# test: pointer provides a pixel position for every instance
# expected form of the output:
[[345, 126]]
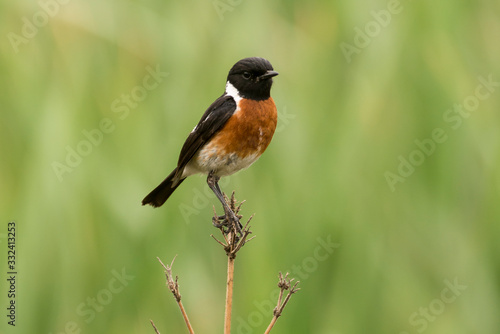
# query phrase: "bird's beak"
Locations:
[[268, 74]]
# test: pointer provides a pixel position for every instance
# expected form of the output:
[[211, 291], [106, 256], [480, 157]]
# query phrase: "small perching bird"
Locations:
[[232, 133]]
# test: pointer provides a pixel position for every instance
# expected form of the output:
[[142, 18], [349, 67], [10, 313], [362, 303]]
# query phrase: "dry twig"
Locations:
[[232, 244], [234, 237], [156, 329], [173, 286], [284, 283]]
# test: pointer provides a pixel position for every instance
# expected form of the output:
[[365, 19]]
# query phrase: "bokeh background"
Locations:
[[417, 254]]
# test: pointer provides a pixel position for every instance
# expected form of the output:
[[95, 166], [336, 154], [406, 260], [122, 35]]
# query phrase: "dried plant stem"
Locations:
[[233, 243], [234, 236], [173, 286], [156, 329], [186, 319], [284, 283], [229, 295], [271, 325]]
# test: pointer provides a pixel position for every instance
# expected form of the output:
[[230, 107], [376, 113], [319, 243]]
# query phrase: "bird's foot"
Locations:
[[227, 222]]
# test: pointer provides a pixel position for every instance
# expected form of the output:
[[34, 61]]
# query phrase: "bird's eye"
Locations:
[[247, 75]]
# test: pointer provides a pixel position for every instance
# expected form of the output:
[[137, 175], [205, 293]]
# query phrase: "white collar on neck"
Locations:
[[233, 92]]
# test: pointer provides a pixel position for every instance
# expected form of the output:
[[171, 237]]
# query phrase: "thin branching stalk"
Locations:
[[156, 329], [173, 286], [284, 283], [234, 237]]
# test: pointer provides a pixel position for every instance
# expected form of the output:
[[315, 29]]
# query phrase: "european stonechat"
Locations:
[[232, 133]]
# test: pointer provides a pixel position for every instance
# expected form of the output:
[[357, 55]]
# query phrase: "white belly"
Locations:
[[223, 164]]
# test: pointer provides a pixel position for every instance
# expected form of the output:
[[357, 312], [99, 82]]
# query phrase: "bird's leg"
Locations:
[[213, 183]]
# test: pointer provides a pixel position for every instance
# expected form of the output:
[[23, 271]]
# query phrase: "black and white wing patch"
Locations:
[[210, 123]]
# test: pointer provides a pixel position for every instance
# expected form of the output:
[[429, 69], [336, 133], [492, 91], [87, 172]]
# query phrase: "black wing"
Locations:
[[211, 122]]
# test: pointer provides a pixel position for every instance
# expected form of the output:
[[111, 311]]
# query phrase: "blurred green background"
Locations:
[[388, 229]]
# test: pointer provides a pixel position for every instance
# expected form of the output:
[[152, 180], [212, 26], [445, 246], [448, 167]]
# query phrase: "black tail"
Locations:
[[160, 194]]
